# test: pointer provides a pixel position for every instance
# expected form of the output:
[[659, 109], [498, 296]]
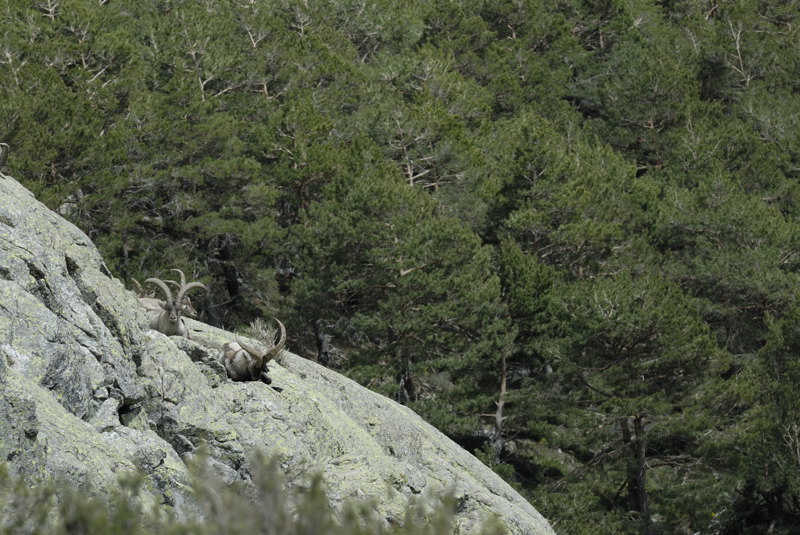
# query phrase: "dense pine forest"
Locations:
[[566, 232]]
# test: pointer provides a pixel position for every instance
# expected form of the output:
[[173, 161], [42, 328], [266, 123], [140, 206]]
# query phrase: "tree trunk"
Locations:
[[124, 271], [323, 353], [406, 389], [637, 464], [499, 418]]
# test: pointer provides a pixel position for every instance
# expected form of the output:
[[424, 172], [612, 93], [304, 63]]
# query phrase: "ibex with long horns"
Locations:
[[244, 362], [165, 316]]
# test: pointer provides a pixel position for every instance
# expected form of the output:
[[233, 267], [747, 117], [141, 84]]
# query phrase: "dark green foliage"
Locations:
[[563, 231], [417, 290]]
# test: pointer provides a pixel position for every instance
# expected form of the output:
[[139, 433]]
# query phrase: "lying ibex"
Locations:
[[244, 362], [165, 316]]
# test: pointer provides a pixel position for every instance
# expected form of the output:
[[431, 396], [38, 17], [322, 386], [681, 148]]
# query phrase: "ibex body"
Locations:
[[244, 362]]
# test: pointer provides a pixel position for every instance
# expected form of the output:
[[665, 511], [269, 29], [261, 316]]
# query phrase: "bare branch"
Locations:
[[49, 8]]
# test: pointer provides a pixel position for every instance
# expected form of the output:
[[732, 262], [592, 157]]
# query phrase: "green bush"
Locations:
[[267, 507]]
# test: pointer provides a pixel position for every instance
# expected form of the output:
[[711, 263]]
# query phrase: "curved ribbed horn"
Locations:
[[191, 286], [137, 287], [279, 346], [183, 277], [161, 284], [247, 347]]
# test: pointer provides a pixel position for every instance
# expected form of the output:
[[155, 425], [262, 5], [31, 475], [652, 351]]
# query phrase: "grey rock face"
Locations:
[[87, 392]]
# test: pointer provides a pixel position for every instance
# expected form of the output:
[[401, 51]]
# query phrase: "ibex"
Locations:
[[165, 316], [244, 362]]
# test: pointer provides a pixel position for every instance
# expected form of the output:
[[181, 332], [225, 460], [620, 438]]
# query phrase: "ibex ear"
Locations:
[[162, 305]]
